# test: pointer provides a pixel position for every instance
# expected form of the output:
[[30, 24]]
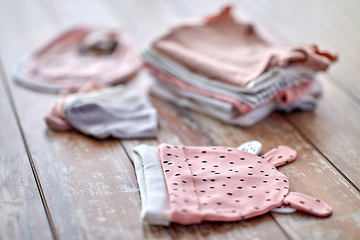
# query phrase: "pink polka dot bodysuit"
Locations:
[[228, 184]]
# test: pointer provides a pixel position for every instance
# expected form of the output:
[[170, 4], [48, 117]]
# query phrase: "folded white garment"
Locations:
[[154, 196], [225, 111], [256, 93], [117, 111]]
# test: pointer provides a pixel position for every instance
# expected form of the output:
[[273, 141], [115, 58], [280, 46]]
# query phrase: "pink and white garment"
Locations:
[[283, 97], [78, 55], [216, 184], [225, 111], [102, 112], [257, 93], [241, 106]]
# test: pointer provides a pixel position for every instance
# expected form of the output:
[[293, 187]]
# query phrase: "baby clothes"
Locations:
[[215, 184], [155, 208], [54, 116], [232, 52], [225, 112], [220, 67], [116, 112], [78, 55], [283, 95], [258, 92]]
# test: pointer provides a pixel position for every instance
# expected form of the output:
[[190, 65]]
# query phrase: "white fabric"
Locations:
[[253, 147], [118, 111], [155, 207]]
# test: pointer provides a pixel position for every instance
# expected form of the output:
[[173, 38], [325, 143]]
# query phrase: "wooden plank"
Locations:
[[337, 111], [316, 132], [171, 129], [200, 123], [332, 24], [334, 129], [22, 212], [310, 174], [89, 185]]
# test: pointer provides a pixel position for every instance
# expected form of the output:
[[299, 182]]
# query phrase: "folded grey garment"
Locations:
[[212, 107], [117, 112], [257, 92]]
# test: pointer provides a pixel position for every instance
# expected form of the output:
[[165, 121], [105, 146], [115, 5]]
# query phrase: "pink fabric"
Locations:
[[241, 106], [308, 204], [280, 155], [79, 55], [224, 184], [284, 97], [230, 51], [54, 116]]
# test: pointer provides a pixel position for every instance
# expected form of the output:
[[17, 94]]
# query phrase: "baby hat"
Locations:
[[228, 184]]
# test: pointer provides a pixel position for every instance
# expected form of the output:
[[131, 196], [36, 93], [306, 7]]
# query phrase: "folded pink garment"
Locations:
[[230, 51], [284, 97], [228, 184], [241, 106], [78, 55]]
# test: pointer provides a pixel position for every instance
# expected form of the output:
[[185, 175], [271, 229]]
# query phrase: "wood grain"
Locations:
[[275, 131], [310, 174], [173, 127], [22, 212], [89, 185], [332, 24], [333, 127]]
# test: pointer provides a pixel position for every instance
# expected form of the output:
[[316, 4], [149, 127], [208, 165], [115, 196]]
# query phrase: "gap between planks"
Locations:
[[3, 76]]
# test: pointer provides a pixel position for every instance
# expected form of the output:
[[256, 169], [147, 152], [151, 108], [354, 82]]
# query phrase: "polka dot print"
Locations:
[[308, 204], [223, 184], [183, 199]]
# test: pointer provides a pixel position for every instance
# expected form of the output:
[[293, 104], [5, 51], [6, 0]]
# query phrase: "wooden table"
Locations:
[[56, 185]]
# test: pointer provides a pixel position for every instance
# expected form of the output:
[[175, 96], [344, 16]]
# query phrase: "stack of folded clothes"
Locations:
[[222, 68]]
